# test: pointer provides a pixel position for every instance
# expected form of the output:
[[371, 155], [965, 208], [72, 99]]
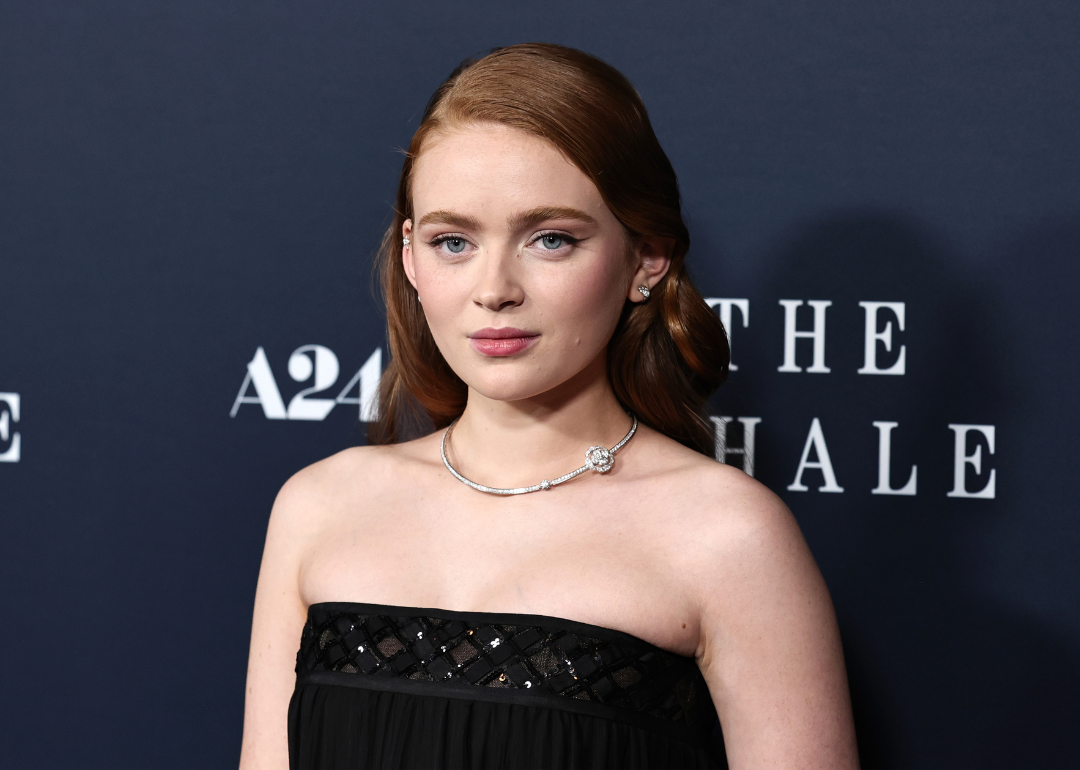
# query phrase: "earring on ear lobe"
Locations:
[[405, 241], [644, 291]]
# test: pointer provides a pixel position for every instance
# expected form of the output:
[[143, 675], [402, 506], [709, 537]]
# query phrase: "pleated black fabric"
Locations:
[[342, 727], [399, 687]]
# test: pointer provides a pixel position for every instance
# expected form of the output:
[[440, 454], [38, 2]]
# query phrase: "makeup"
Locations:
[[505, 341]]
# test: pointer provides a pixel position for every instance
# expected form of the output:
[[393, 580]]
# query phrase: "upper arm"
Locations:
[[770, 649], [277, 623]]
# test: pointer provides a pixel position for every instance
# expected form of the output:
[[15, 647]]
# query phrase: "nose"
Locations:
[[498, 286]]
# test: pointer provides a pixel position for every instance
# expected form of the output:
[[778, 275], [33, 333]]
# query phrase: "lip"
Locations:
[[504, 341]]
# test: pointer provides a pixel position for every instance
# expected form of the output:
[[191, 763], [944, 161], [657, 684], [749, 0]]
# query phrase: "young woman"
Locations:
[[559, 575]]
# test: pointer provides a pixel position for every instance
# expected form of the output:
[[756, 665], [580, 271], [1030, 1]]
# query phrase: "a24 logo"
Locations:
[[318, 364]]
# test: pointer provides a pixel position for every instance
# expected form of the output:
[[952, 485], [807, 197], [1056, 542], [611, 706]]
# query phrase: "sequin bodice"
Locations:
[[542, 659]]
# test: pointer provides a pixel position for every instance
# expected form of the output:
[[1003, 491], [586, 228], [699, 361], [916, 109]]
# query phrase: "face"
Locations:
[[521, 268]]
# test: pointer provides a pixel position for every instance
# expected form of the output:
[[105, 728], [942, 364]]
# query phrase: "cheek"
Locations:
[[432, 277], [443, 295], [590, 300]]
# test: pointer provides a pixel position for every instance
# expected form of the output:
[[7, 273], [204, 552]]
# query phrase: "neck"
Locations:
[[519, 443]]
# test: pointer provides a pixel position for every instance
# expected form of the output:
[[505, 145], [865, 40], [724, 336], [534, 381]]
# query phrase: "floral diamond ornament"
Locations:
[[599, 459]]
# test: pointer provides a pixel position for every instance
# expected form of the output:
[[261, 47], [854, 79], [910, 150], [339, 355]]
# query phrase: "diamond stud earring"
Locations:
[[644, 291], [405, 241]]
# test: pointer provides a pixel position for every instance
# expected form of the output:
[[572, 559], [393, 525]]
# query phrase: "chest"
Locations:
[[585, 556]]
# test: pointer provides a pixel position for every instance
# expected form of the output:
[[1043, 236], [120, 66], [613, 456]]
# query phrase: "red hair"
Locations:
[[668, 354]]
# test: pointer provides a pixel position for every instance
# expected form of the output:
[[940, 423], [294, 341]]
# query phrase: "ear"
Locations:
[[653, 258], [407, 253]]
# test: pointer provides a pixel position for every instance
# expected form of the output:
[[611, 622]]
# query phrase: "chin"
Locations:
[[507, 385]]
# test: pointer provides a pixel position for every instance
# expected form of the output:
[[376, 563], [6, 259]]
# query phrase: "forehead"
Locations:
[[491, 169]]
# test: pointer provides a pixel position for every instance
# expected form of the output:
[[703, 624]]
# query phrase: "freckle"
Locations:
[[684, 625]]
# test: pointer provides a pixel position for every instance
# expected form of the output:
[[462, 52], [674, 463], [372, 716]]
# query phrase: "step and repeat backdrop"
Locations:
[[884, 201]]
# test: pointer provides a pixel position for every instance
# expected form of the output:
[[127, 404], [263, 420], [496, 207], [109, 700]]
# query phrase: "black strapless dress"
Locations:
[[400, 687]]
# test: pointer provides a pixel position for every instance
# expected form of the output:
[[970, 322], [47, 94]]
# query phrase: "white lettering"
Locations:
[[873, 335], [747, 449], [326, 370], [725, 306], [368, 377], [816, 439], [10, 415], [817, 334], [961, 460], [320, 365], [266, 389], [884, 460]]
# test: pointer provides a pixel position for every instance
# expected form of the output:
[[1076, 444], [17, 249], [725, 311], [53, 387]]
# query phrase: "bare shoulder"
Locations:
[[736, 543], [303, 514], [317, 492], [738, 514], [744, 544], [346, 492], [329, 475], [721, 509], [768, 643]]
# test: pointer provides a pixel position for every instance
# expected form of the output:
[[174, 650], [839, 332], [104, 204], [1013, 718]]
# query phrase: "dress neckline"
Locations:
[[497, 618]]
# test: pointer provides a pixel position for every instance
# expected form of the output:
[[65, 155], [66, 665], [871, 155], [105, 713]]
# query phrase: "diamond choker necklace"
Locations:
[[598, 458]]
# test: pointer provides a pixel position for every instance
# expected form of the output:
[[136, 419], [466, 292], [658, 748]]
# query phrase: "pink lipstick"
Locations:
[[504, 341]]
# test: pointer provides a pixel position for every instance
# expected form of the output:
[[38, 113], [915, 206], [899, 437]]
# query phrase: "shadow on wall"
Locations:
[[943, 673]]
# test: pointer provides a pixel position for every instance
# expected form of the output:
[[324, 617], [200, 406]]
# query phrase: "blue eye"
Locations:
[[551, 241], [455, 245]]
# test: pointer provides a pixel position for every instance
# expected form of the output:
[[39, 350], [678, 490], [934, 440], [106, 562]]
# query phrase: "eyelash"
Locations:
[[440, 239], [570, 240]]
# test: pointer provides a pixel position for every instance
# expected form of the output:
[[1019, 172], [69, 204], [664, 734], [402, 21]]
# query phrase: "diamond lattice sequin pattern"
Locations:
[[626, 673]]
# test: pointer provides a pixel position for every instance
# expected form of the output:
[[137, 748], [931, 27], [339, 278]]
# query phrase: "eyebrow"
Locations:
[[544, 213], [443, 217], [516, 222]]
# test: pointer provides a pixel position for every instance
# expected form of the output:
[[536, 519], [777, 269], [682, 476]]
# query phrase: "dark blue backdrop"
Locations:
[[182, 184]]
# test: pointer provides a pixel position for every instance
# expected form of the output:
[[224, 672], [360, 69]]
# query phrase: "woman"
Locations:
[[478, 597]]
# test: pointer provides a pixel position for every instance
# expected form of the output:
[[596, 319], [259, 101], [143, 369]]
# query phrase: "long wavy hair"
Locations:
[[668, 354]]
